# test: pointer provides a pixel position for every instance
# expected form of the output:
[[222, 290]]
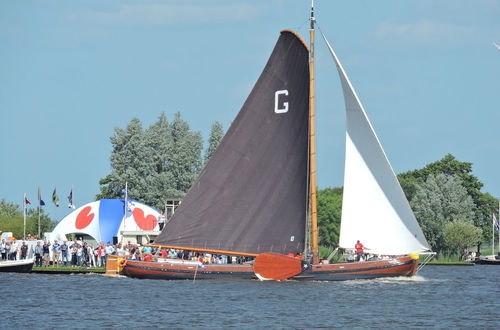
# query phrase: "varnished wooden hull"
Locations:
[[169, 271], [403, 266]]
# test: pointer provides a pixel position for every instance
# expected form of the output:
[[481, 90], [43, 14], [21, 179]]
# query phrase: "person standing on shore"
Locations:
[[79, 254], [90, 251], [38, 254], [56, 249], [46, 252], [109, 250], [64, 253], [101, 255]]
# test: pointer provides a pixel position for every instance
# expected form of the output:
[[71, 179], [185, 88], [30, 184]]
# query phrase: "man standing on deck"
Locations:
[[359, 250], [3, 249], [24, 250]]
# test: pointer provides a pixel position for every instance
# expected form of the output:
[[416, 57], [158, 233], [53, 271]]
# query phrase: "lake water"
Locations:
[[439, 297]]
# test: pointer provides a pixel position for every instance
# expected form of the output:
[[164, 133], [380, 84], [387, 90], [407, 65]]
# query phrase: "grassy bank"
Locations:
[[68, 270]]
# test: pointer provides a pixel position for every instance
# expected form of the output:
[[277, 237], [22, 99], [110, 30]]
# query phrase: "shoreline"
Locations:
[[68, 270]]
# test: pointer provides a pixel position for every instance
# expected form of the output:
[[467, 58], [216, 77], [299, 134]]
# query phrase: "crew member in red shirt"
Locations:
[[359, 250]]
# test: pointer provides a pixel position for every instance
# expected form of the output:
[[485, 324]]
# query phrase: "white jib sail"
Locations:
[[374, 207]]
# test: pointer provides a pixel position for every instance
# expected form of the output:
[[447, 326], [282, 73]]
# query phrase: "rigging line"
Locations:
[[302, 25]]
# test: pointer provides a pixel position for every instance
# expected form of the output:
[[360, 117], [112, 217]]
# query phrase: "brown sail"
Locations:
[[252, 195]]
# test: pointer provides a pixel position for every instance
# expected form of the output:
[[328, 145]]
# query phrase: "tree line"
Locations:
[[447, 201], [12, 220], [163, 160]]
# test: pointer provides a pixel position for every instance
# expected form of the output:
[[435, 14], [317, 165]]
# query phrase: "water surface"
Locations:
[[439, 297]]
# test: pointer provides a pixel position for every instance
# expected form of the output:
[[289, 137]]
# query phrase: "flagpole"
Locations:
[[125, 205], [493, 234], [24, 217], [39, 207]]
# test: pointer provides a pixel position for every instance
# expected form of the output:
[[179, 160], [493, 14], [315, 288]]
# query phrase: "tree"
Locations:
[[484, 203], [12, 220], [216, 135], [184, 156], [131, 162], [459, 235], [448, 165], [159, 162], [441, 199], [158, 140], [329, 210]]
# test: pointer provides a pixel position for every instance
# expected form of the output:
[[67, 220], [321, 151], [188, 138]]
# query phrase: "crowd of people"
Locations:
[[64, 253], [13, 250], [85, 254]]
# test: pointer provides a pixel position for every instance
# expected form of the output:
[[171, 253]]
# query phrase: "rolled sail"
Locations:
[[251, 196]]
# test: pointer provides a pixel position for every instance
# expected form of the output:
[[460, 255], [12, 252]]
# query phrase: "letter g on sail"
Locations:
[[277, 108]]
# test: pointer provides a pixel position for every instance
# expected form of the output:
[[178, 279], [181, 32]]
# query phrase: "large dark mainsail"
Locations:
[[252, 195]]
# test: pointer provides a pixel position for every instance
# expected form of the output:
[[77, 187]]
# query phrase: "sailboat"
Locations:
[[256, 197], [252, 195]]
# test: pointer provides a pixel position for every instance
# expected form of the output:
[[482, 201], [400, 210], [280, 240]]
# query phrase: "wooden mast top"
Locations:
[[312, 142]]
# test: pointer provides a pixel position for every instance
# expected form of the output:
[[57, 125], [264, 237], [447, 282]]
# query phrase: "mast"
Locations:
[[312, 141]]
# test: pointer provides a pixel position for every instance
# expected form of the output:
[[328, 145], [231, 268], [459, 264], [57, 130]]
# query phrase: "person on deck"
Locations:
[[13, 251], [359, 250], [24, 250], [3, 249], [161, 220]]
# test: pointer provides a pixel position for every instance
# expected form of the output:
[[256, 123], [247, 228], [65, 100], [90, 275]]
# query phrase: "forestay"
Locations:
[[374, 207], [252, 195]]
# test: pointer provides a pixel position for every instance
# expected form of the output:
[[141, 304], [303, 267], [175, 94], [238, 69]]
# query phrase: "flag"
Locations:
[[55, 198], [26, 201], [496, 223], [70, 199], [40, 200]]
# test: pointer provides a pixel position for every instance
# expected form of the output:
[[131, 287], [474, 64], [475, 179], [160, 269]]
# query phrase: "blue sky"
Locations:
[[72, 71]]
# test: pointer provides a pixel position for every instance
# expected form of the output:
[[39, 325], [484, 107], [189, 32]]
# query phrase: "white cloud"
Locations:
[[172, 13]]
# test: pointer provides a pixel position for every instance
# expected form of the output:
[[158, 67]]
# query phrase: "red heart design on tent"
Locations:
[[83, 219], [145, 223]]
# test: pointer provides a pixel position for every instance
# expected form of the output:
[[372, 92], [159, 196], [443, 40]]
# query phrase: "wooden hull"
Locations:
[[16, 266], [403, 266], [179, 271]]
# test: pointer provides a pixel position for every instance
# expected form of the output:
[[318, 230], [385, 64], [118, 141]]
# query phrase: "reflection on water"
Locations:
[[444, 297]]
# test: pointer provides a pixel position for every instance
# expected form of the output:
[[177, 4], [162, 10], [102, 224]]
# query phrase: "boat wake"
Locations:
[[384, 280]]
